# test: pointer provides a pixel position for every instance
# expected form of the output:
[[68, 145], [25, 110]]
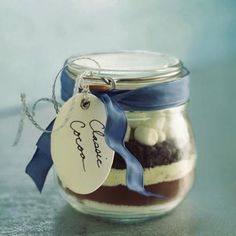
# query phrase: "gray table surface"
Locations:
[[210, 208]]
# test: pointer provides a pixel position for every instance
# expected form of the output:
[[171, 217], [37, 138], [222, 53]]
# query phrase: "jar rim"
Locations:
[[127, 68]]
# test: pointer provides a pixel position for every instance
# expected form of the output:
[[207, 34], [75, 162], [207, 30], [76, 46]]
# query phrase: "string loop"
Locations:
[[80, 87]]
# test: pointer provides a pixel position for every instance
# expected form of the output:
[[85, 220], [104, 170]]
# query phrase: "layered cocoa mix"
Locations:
[[166, 172]]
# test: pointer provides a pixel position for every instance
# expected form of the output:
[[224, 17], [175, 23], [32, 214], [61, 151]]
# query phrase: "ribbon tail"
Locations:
[[115, 130], [41, 162]]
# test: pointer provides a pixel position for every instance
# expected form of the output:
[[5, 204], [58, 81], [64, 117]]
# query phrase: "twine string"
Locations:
[[81, 86]]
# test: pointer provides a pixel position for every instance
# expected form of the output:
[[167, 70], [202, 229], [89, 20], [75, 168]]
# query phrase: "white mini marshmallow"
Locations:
[[127, 135], [146, 136], [161, 136]]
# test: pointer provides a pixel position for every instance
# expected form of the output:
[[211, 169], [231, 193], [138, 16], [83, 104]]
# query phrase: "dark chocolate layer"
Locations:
[[149, 156]]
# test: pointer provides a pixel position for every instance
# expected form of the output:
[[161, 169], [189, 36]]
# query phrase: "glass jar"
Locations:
[[161, 139]]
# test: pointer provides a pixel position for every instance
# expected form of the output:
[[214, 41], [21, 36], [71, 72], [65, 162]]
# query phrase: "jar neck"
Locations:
[[98, 82], [147, 98], [126, 70]]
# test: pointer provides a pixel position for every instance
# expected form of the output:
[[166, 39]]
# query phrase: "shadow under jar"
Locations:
[[161, 139]]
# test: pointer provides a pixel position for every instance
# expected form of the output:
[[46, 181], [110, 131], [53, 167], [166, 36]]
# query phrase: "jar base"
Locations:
[[120, 213]]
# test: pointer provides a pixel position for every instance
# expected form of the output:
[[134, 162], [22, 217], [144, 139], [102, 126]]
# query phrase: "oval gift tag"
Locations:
[[81, 157]]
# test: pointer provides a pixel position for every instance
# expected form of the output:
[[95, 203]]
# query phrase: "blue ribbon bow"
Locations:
[[148, 98]]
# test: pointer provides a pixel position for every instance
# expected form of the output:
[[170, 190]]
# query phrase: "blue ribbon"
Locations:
[[154, 97], [41, 162]]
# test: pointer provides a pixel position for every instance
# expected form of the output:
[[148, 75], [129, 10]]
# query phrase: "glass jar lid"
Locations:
[[126, 69]]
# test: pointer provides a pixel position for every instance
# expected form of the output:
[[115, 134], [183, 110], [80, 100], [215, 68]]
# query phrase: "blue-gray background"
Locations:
[[35, 39], [37, 36]]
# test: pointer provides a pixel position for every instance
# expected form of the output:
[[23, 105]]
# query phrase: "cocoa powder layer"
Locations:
[[121, 195]]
